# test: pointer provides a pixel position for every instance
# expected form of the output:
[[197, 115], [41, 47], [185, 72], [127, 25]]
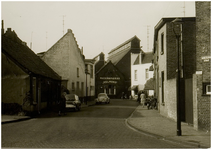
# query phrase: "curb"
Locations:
[[15, 120], [196, 145]]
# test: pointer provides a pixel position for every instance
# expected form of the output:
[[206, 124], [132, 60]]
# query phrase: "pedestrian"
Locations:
[[122, 95], [143, 98], [139, 98], [62, 104]]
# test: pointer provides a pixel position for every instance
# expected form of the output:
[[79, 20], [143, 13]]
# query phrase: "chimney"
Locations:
[[102, 57], [2, 27], [69, 30], [82, 50]]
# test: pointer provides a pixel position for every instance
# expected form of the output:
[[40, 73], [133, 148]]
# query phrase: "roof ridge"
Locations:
[[123, 43]]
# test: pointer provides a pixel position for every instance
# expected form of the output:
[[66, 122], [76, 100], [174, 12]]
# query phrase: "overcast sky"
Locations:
[[98, 26]]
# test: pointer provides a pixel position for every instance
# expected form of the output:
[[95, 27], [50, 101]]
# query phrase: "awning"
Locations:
[[134, 87], [150, 84]]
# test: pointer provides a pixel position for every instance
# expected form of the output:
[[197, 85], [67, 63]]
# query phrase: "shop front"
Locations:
[[109, 80]]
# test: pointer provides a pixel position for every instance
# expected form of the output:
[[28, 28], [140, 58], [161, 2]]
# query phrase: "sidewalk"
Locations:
[[152, 123], [16, 118]]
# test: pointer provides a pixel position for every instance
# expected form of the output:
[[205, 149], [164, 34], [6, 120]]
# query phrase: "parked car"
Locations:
[[73, 102], [102, 98]]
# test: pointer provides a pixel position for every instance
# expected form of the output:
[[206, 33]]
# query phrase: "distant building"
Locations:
[[110, 80], [140, 72], [28, 84], [165, 66], [202, 76], [99, 61], [120, 57], [67, 59], [90, 78]]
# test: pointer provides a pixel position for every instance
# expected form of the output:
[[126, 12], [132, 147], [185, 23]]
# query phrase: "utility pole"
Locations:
[[184, 9], [46, 40], [148, 38]]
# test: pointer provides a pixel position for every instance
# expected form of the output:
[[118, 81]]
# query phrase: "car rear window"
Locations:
[[102, 94]]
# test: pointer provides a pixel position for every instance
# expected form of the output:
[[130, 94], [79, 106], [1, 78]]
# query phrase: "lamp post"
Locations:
[[176, 24], [86, 90]]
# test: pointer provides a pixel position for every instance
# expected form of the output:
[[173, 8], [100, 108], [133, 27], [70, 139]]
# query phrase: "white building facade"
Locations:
[[140, 73]]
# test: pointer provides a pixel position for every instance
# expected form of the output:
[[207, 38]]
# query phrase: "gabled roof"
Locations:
[[117, 57], [24, 57], [147, 58], [124, 43]]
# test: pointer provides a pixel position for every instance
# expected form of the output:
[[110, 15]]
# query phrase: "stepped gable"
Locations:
[[24, 57], [68, 31]]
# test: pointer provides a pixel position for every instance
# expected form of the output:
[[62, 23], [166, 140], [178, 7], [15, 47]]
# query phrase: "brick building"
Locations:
[[165, 66], [202, 76], [110, 80]]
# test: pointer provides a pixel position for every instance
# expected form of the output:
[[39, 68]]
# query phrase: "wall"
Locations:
[[110, 70], [15, 82], [202, 103], [141, 74], [64, 57]]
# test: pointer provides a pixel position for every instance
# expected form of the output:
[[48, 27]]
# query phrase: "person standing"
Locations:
[[143, 98]]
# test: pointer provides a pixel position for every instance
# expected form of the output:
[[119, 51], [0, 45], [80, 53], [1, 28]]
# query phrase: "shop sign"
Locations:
[[109, 82], [110, 78]]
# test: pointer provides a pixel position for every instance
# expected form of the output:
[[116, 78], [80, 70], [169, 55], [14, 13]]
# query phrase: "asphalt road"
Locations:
[[99, 126]]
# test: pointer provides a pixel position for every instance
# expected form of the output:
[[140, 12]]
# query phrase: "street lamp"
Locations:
[[176, 24], [86, 94]]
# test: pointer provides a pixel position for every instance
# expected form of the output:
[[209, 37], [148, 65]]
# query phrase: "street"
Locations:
[[98, 126]]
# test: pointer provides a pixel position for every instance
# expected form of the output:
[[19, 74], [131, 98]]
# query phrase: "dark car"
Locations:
[[73, 102]]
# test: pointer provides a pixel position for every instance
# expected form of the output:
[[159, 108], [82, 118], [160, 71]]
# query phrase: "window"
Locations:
[[82, 88], [73, 88], [136, 75], [206, 88], [162, 44], [77, 88], [147, 74], [77, 72], [162, 87], [91, 71]]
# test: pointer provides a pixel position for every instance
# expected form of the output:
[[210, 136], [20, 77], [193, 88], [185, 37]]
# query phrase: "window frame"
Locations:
[[162, 44], [135, 75], [205, 90]]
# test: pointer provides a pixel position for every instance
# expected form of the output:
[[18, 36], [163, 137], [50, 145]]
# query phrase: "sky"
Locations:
[[98, 26]]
